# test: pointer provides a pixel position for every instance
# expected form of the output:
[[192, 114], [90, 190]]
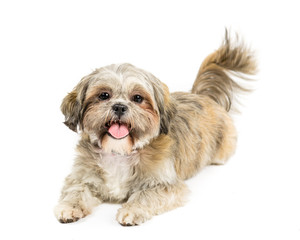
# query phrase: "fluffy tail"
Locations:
[[214, 79]]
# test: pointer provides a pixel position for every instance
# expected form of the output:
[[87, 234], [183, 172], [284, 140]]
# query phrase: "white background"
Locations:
[[46, 47]]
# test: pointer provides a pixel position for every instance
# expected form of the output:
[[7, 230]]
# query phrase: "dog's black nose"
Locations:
[[119, 109]]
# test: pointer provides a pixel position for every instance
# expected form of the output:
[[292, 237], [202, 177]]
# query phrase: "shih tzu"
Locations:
[[139, 142]]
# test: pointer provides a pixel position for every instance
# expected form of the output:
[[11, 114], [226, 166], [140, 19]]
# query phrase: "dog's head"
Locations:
[[121, 107]]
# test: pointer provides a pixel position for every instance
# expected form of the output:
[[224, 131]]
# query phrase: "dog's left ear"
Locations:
[[72, 104], [165, 106]]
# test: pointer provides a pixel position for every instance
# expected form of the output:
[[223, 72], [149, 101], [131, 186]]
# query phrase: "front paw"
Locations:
[[132, 216], [66, 213]]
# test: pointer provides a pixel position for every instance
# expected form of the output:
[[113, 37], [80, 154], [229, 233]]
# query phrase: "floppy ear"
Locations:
[[165, 106], [72, 104]]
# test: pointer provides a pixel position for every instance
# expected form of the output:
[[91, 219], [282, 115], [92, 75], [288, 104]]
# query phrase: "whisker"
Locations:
[[106, 117]]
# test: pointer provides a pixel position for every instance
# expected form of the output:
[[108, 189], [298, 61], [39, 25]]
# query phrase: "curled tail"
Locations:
[[214, 79]]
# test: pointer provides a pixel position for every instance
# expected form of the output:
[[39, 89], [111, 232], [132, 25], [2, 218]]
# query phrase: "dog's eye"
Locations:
[[104, 96], [138, 98]]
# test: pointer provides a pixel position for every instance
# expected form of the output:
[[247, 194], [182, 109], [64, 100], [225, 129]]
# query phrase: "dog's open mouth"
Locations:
[[118, 129]]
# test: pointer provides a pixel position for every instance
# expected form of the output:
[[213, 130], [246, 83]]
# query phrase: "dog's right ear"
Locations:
[[70, 107], [72, 104]]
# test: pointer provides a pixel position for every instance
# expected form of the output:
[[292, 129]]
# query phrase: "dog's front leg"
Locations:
[[144, 204], [76, 201]]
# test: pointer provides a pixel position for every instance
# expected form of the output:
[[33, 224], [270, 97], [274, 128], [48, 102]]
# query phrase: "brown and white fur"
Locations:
[[171, 136]]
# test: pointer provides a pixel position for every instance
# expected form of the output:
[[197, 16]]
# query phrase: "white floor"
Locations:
[[46, 47]]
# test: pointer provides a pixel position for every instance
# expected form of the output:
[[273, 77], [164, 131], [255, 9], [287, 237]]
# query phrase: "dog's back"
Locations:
[[207, 134]]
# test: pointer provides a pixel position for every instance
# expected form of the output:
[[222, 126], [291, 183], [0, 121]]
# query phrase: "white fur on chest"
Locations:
[[118, 169]]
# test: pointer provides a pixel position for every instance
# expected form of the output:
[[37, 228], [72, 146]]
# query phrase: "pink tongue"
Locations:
[[118, 131]]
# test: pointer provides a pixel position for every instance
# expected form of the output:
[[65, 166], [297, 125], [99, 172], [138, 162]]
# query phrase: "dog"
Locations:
[[139, 142]]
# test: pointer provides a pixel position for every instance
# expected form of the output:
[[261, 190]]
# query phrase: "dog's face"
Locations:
[[121, 108]]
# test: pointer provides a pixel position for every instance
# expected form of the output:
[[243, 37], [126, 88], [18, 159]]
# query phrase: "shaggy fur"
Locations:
[[171, 136]]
